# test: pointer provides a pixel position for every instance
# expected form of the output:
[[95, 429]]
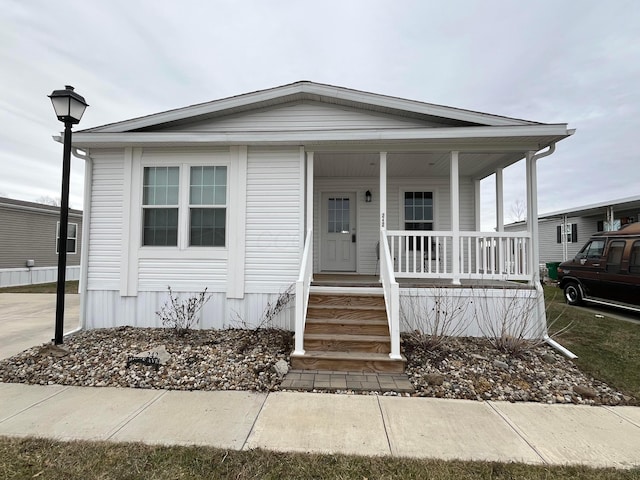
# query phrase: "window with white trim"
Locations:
[[72, 238], [196, 219], [418, 210], [160, 197], [207, 206], [568, 231]]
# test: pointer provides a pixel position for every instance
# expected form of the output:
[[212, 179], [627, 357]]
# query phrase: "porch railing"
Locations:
[[483, 255], [391, 295], [303, 285]]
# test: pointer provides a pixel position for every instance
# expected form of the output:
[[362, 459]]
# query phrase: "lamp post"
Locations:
[[69, 107]]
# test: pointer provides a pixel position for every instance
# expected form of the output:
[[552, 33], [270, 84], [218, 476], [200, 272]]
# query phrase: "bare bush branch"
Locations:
[[431, 320], [181, 314]]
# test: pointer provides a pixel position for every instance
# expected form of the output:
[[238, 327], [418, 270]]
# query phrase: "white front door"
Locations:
[[338, 236]]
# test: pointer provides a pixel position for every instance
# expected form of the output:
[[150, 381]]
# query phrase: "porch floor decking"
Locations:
[[373, 281]]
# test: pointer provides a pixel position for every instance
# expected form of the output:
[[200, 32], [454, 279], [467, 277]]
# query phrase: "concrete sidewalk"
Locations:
[[28, 319], [328, 423]]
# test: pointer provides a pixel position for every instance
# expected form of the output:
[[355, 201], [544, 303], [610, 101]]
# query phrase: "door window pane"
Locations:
[[634, 259], [338, 209], [614, 256]]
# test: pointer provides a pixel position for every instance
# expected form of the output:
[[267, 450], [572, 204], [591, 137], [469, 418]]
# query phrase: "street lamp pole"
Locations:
[[64, 232], [69, 107]]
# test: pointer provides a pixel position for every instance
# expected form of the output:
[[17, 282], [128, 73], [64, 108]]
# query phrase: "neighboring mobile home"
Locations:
[[563, 233], [29, 241], [355, 198]]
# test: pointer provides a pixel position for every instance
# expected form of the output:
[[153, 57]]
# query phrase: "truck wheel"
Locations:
[[572, 294]]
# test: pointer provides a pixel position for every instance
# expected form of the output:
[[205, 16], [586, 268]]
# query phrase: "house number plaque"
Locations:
[[150, 360]]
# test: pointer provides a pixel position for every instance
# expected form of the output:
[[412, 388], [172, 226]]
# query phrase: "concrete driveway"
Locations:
[[28, 319]]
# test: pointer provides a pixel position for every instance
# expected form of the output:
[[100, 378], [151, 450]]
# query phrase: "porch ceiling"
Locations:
[[410, 164]]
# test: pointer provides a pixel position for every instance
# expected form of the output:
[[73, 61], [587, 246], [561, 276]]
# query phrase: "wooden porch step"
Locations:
[[374, 302], [347, 343], [347, 313], [348, 362], [351, 326]]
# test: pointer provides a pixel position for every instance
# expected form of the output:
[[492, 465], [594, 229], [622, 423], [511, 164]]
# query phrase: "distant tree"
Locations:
[[518, 211], [47, 200]]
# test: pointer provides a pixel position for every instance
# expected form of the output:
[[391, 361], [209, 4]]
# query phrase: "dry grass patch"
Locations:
[[48, 459]]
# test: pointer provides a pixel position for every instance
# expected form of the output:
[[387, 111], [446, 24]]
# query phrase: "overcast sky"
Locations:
[[556, 61]]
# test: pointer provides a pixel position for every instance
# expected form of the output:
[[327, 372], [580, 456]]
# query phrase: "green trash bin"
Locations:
[[552, 267]]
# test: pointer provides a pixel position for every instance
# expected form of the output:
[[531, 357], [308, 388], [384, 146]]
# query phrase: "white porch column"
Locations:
[[610, 219], [499, 201], [532, 216], [309, 191], [563, 237], [478, 212], [455, 218], [383, 190]]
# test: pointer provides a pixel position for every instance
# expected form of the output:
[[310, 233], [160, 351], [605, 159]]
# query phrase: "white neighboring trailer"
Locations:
[[251, 194]]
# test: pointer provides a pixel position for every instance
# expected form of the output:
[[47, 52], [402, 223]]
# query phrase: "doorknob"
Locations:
[[353, 238]]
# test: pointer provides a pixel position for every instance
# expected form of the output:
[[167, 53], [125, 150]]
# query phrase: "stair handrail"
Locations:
[[391, 294], [303, 285]]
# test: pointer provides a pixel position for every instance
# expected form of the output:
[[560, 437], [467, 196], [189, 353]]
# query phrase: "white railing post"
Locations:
[[391, 295], [303, 285]]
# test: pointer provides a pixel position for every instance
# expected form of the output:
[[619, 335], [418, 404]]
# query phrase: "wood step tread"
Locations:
[[359, 356], [338, 306], [347, 337], [347, 321]]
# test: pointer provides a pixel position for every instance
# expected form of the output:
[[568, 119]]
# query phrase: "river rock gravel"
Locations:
[[236, 359]]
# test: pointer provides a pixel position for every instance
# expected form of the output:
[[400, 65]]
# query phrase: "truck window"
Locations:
[[614, 256], [593, 249], [634, 259]]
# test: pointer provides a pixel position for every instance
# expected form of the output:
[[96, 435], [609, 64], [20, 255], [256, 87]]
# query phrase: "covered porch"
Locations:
[[389, 221]]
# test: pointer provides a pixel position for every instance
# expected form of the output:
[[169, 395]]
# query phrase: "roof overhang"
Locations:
[[529, 137]]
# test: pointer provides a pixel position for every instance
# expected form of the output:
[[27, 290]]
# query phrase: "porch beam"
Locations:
[[455, 218], [383, 190], [499, 200]]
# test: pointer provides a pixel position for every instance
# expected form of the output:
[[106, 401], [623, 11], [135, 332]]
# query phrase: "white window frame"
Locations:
[[434, 197], [182, 160], [75, 238], [190, 206], [565, 232]]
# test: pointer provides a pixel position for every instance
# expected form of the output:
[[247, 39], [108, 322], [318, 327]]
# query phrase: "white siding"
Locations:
[[11, 277], [367, 213], [302, 116], [106, 220], [107, 309], [484, 311], [274, 209], [182, 274]]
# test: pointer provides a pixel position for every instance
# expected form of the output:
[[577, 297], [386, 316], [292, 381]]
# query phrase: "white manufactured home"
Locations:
[[361, 201]]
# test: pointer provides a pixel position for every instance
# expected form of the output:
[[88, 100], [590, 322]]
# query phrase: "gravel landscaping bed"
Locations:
[[235, 359]]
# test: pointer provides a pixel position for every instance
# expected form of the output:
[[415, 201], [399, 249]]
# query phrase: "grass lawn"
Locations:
[[607, 348], [70, 287], [49, 459]]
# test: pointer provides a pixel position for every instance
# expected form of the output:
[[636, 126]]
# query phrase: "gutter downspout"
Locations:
[[534, 222], [86, 220]]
